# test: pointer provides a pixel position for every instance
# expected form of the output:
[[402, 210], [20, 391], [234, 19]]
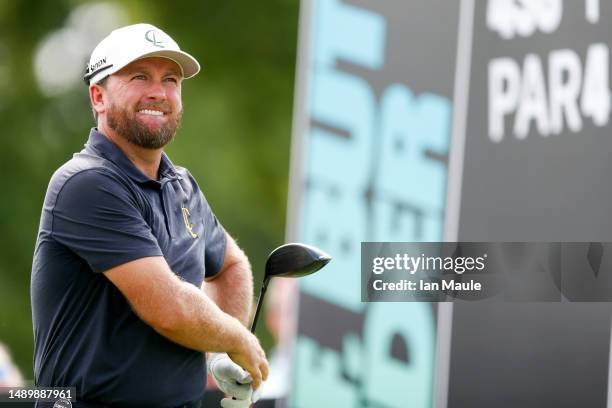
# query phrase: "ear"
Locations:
[[96, 97]]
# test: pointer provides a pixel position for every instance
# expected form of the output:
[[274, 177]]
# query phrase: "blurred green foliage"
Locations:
[[235, 136]]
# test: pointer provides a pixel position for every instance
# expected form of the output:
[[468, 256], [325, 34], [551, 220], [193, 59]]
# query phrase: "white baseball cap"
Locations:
[[129, 43]]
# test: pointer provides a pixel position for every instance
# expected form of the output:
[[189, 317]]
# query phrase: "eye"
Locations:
[[171, 79], [139, 77]]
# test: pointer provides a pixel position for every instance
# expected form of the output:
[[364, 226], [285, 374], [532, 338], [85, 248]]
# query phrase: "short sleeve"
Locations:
[[98, 217], [216, 241]]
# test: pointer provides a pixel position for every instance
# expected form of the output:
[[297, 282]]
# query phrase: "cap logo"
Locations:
[[151, 37], [97, 64]]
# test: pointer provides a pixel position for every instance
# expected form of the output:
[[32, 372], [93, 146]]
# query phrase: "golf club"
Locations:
[[290, 261]]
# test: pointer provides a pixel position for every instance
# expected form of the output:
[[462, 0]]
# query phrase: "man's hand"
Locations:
[[250, 356], [232, 380], [238, 403], [229, 376]]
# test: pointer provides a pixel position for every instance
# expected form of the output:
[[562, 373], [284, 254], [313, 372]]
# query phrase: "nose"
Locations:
[[156, 91]]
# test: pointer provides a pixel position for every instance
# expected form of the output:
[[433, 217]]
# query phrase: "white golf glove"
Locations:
[[232, 380], [241, 403]]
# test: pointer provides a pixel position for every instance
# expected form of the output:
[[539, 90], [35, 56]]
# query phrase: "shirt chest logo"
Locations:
[[188, 225]]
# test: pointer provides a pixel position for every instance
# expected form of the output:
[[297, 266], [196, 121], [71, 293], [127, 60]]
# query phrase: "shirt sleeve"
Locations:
[[216, 241], [98, 217]]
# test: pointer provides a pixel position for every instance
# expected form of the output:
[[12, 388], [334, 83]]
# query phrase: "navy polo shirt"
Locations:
[[100, 211]]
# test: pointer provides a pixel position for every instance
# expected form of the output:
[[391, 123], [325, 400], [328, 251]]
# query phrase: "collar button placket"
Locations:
[[166, 207]]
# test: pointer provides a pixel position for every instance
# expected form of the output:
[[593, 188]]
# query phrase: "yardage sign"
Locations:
[[536, 166], [372, 130]]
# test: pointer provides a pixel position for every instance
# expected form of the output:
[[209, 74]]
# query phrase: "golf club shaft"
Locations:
[[262, 293]]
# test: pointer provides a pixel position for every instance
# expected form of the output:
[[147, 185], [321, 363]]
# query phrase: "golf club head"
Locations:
[[295, 260]]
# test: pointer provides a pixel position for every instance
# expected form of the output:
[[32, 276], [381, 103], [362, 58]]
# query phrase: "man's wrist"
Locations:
[[239, 340]]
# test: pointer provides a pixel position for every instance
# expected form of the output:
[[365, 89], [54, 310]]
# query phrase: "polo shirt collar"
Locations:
[[106, 148]]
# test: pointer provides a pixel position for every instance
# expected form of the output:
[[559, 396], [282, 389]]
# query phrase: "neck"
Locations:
[[146, 160]]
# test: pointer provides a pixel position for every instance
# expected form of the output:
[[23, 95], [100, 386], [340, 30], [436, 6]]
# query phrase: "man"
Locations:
[[133, 276]]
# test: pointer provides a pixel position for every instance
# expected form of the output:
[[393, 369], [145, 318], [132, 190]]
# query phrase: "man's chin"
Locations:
[[151, 123], [152, 142], [145, 131]]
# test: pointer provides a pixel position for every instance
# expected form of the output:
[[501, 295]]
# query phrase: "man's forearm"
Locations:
[[202, 325], [232, 291], [176, 309], [184, 314]]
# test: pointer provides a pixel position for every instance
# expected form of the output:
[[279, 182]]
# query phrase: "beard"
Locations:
[[125, 123]]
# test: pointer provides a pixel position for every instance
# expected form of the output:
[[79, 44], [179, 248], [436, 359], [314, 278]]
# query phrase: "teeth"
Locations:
[[151, 112]]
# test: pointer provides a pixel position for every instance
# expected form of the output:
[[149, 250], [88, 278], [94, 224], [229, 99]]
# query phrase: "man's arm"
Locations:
[[182, 313], [232, 287]]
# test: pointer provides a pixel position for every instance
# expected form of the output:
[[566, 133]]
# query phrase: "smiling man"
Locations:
[[133, 277]]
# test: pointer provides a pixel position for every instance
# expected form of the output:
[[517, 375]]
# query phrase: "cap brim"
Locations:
[[186, 62], [188, 65]]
